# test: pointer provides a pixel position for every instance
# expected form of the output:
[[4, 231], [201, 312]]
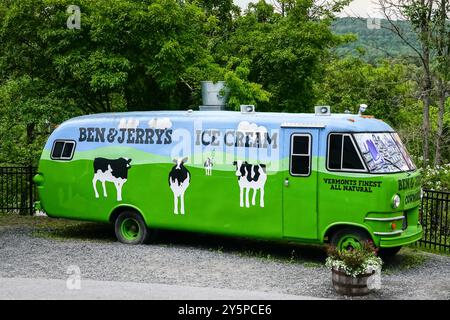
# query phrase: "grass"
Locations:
[[430, 250], [85, 232], [14, 220], [407, 258], [309, 256], [59, 229]]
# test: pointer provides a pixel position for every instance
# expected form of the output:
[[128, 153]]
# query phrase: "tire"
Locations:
[[130, 228], [389, 252], [347, 238]]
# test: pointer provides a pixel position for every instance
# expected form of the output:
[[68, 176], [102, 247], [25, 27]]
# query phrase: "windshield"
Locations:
[[384, 152]]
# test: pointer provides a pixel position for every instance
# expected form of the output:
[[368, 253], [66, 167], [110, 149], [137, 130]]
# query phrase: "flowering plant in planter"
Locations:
[[356, 271], [354, 262]]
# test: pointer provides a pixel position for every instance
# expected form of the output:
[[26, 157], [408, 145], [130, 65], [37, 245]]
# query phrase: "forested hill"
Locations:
[[376, 42]]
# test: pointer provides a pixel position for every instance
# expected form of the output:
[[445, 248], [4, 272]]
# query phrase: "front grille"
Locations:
[[405, 222]]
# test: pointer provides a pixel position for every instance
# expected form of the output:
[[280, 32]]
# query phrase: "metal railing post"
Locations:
[[31, 189]]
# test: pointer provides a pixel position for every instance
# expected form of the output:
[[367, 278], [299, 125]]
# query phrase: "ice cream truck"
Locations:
[[312, 178]]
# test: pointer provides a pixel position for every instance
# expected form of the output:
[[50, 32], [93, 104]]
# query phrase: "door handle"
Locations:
[[286, 182]]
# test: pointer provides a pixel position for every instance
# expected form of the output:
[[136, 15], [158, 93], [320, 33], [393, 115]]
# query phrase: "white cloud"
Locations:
[[246, 126], [161, 123], [128, 123]]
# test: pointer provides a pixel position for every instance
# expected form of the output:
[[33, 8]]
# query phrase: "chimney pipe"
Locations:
[[212, 98]]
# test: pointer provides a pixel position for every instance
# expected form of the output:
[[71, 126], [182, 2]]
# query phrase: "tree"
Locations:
[[385, 88], [441, 43], [128, 55], [284, 53], [29, 110], [419, 13]]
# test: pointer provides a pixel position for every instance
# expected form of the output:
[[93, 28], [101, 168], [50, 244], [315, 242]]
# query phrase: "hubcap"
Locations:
[[349, 242], [130, 229]]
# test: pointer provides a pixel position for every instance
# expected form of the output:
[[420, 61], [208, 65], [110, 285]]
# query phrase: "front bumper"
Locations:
[[409, 235]]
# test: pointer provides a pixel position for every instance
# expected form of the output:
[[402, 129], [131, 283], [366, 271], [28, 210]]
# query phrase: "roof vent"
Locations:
[[247, 108], [362, 108], [322, 110]]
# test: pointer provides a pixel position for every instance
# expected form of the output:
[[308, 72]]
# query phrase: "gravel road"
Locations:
[[188, 259], [56, 289]]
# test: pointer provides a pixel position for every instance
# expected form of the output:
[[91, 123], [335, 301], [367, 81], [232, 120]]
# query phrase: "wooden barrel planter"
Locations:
[[350, 286]]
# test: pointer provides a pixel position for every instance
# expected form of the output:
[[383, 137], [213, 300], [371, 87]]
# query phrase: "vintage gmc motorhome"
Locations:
[[315, 178]]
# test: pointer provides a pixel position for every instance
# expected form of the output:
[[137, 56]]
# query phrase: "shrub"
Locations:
[[354, 262], [436, 177]]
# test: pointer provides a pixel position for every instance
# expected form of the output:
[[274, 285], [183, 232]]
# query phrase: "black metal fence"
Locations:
[[18, 194], [435, 220], [17, 190]]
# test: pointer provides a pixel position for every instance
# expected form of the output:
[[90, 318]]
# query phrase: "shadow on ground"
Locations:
[[307, 255], [313, 255], [274, 250]]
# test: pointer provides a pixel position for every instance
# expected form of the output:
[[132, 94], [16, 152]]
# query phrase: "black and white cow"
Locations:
[[115, 171], [208, 164], [250, 177], [179, 178]]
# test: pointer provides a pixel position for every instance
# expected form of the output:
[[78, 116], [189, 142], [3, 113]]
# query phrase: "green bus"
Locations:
[[315, 178]]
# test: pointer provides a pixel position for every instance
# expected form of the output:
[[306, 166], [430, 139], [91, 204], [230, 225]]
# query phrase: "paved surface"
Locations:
[[184, 261], [24, 288]]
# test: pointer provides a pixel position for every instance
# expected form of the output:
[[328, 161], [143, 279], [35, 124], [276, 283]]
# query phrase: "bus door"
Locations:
[[300, 182]]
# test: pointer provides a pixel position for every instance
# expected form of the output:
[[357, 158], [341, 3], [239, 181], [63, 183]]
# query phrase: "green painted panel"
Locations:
[[304, 210], [211, 202], [300, 191]]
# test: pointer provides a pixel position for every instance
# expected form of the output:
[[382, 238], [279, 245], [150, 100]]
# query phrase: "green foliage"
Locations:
[[152, 54], [27, 111], [436, 177], [128, 55], [376, 43], [241, 90], [284, 53], [350, 81]]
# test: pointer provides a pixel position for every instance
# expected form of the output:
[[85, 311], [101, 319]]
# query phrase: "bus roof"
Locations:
[[334, 122]]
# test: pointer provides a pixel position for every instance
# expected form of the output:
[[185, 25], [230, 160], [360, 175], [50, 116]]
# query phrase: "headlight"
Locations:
[[396, 201]]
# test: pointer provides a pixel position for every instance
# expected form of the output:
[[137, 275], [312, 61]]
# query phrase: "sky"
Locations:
[[358, 8]]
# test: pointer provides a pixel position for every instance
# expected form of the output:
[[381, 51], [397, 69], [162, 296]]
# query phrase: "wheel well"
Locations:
[[333, 229], [118, 210]]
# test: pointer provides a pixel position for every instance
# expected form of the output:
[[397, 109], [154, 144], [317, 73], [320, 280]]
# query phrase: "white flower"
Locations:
[[367, 267]]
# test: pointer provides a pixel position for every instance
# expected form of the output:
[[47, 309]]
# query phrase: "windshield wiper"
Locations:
[[396, 166]]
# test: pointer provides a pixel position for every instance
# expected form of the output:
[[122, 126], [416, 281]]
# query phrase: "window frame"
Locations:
[[309, 155], [343, 134], [62, 151]]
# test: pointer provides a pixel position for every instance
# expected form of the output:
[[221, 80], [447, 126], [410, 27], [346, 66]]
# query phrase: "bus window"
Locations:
[[58, 147], [335, 151], [343, 154], [63, 150], [300, 155], [350, 156]]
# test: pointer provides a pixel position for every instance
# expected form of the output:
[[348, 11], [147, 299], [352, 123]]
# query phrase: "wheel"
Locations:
[[130, 228], [389, 252], [349, 238]]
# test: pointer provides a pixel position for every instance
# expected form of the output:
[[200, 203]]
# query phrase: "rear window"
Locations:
[[63, 150]]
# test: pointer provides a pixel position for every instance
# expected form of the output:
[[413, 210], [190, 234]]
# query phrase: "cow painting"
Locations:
[[208, 164], [115, 171], [250, 177], [179, 179]]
